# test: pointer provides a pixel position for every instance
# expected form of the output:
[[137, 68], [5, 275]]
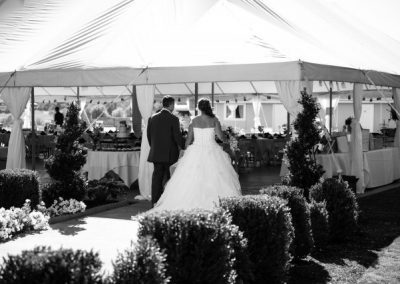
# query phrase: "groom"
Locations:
[[163, 133]]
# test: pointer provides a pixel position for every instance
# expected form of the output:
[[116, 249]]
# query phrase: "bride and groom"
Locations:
[[203, 174]]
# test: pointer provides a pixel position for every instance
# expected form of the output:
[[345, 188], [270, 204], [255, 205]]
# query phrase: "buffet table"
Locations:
[[381, 167], [123, 163]]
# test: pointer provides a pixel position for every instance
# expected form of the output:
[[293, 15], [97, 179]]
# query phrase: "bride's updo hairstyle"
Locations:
[[205, 106]]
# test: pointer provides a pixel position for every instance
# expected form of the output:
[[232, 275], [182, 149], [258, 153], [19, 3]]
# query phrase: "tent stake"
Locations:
[[33, 136]]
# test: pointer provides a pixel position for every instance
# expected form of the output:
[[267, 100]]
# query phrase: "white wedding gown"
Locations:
[[202, 176]]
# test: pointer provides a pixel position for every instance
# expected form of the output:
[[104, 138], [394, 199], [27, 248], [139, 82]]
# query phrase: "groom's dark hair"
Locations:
[[167, 101]]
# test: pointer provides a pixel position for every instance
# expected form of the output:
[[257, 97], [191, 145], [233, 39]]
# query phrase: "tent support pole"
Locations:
[[77, 95], [196, 97], [288, 124], [330, 109], [33, 136], [212, 94]]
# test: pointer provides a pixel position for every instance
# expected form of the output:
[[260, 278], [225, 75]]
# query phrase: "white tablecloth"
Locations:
[[381, 167], [125, 164]]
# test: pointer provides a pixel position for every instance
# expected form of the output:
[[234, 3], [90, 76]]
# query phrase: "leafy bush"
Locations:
[[304, 171], [342, 207], [266, 222], [303, 240], [69, 155], [65, 207], [198, 243], [142, 264], [43, 265], [14, 221], [319, 224], [74, 188], [18, 185], [105, 189]]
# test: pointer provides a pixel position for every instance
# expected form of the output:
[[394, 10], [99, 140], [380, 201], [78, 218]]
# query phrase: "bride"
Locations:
[[204, 173]]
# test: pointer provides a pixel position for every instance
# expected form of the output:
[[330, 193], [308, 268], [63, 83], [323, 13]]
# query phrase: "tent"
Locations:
[[58, 43]]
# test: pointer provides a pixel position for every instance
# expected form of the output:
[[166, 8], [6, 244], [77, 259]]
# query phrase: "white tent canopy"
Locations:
[[121, 42]]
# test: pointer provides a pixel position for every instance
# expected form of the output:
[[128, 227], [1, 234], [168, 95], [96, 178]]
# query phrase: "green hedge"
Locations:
[[303, 240], [319, 224], [342, 207], [18, 185], [266, 223], [74, 188], [142, 264], [200, 245], [44, 266]]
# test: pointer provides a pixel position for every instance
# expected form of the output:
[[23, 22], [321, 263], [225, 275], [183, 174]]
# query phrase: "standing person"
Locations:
[[58, 117], [204, 173], [163, 133]]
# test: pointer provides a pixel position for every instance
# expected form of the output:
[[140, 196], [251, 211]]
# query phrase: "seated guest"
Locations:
[[58, 117]]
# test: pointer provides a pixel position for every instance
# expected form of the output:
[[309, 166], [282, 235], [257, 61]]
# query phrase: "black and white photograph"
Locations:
[[199, 141]]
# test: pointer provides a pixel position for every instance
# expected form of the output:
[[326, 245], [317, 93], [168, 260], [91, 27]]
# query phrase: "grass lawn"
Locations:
[[347, 263]]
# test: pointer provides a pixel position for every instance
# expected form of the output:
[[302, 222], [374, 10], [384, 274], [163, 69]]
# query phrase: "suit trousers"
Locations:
[[161, 175]]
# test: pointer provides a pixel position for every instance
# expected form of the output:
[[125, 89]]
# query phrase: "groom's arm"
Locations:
[[176, 132]]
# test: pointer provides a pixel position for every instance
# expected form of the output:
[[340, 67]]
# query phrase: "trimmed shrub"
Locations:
[[319, 224], [43, 265], [198, 243], [303, 240], [142, 264], [266, 222], [18, 185], [74, 188], [342, 207]]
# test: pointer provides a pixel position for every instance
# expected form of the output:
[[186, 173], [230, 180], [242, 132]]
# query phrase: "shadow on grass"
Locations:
[[379, 226], [70, 228]]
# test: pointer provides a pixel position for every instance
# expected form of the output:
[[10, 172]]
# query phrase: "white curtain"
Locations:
[[16, 99], [323, 100], [396, 99], [145, 99], [27, 116], [289, 94], [356, 150], [257, 108], [232, 108]]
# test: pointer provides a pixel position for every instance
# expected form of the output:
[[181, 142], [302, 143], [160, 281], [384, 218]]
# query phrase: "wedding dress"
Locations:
[[202, 176]]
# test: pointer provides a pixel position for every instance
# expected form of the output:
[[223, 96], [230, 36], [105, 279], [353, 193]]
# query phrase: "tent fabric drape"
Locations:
[[396, 100], [289, 94], [16, 99], [323, 100], [145, 99], [356, 139], [257, 109], [232, 109]]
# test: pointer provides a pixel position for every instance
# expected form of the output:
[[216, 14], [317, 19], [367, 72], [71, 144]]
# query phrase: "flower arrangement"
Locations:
[[17, 220], [64, 207]]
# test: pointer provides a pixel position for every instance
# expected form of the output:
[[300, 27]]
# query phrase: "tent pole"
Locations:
[[196, 97], [212, 94], [330, 108], [33, 136], [77, 95], [288, 124]]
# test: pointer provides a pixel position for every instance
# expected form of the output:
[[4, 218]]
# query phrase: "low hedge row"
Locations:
[[18, 185], [303, 239]]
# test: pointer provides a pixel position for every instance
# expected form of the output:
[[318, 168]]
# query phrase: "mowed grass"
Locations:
[[366, 259]]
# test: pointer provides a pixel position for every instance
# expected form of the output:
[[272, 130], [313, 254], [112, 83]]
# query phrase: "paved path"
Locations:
[[107, 233]]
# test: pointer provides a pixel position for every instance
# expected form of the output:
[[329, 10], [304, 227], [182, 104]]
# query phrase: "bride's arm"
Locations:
[[218, 130], [189, 139]]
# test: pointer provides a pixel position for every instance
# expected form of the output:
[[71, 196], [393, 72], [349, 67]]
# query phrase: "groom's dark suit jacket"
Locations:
[[163, 133]]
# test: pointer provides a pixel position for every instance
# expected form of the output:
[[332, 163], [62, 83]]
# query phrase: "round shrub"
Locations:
[[266, 223], [198, 243], [74, 188], [319, 224], [18, 185], [303, 240], [142, 264], [341, 204], [43, 265]]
